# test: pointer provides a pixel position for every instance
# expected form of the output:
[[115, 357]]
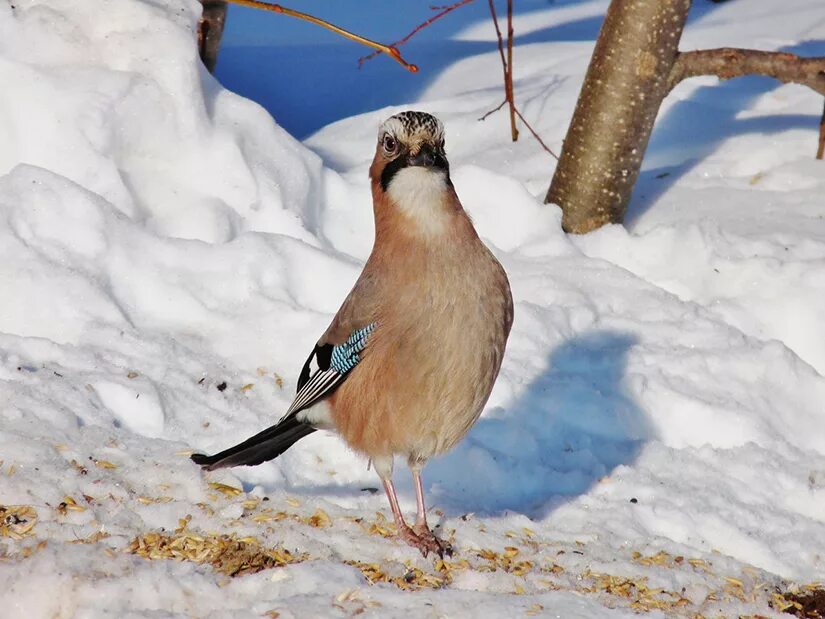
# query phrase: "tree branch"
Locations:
[[509, 98], [380, 47], [535, 135], [513, 129], [210, 31], [444, 11], [505, 65], [727, 62], [494, 110]]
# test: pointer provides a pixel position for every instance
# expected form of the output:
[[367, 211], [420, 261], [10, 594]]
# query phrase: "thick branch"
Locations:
[[728, 62], [390, 50], [210, 31], [820, 151]]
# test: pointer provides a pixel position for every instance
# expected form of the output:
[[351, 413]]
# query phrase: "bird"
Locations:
[[407, 364]]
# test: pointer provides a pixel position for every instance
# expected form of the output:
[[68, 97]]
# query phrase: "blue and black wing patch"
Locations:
[[327, 367]]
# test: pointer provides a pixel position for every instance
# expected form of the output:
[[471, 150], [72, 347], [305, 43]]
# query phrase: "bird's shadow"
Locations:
[[573, 425]]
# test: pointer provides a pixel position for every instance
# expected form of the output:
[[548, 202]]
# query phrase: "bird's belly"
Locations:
[[451, 397], [419, 391]]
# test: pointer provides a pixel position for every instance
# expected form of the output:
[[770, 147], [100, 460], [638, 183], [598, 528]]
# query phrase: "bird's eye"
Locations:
[[390, 144]]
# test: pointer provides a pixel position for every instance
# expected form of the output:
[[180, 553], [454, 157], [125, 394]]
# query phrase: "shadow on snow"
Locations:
[[571, 426], [307, 77], [695, 127]]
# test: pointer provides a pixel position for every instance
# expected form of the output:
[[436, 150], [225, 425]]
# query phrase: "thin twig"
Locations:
[[505, 65], [535, 135], [513, 128], [500, 43], [508, 92], [494, 110], [821, 150], [444, 11], [277, 8], [526, 124], [508, 77]]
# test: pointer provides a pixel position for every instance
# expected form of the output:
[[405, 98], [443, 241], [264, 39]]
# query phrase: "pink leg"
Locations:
[[421, 514], [389, 488], [420, 528], [404, 531], [418, 536]]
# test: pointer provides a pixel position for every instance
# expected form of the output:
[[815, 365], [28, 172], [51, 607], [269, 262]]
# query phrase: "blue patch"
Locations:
[[345, 356]]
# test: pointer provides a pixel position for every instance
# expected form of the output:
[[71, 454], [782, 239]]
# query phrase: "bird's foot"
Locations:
[[427, 542], [409, 536]]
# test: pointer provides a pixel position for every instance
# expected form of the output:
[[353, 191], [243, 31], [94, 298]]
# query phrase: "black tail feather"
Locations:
[[264, 446]]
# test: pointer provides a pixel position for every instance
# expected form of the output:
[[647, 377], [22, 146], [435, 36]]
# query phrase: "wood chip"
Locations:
[[228, 491]]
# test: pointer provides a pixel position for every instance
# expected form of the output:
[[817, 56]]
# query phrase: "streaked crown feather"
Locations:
[[410, 127]]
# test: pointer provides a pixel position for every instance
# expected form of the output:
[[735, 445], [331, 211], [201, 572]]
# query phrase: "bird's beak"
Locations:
[[427, 157]]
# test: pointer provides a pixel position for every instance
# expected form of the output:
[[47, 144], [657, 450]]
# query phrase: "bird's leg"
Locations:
[[404, 531], [383, 466], [418, 536], [421, 513], [420, 527]]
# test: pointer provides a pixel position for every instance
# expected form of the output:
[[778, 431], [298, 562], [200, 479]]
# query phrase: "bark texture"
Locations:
[[625, 84], [210, 31], [729, 62]]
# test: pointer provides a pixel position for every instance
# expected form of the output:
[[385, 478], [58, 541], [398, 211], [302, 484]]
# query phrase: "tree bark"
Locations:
[[625, 84], [210, 31], [729, 62]]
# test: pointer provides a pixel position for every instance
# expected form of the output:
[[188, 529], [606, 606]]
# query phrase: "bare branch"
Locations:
[[508, 77], [444, 10], [494, 110], [380, 47], [505, 65], [499, 39], [513, 128], [729, 62], [535, 135]]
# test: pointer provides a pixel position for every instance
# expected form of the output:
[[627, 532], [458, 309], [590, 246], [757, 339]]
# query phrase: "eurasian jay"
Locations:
[[409, 360]]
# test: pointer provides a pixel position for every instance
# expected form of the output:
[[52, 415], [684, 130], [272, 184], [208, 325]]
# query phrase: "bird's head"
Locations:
[[410, 163]]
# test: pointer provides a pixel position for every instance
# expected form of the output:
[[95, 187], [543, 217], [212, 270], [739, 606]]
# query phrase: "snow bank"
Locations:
[[113, 98], [168, 256]]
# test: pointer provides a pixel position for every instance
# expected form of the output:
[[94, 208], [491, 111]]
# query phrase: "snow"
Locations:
[[169, 255]]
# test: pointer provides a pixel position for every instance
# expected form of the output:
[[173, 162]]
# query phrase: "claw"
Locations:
[[428, 540], [424, 540]]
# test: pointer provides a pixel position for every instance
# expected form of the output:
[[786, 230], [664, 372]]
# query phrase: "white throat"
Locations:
[[421, 195]]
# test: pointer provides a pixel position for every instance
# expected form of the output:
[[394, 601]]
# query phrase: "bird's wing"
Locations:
[[327, 367]]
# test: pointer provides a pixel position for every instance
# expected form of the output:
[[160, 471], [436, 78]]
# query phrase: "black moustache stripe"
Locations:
[[399, 163], [391, 169]]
